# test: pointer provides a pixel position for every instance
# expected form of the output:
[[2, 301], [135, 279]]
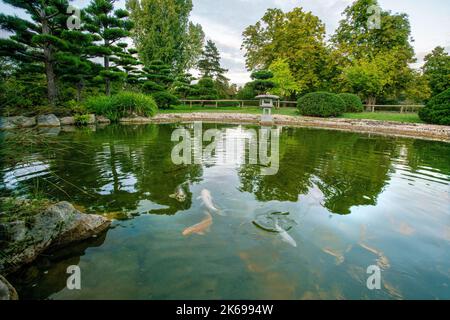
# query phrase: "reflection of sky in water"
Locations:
[[356, 201], [23, 172]]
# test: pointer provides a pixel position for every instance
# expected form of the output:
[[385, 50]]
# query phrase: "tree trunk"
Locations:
[[52, 91], [80, 86], [107, 80], [371, 101]]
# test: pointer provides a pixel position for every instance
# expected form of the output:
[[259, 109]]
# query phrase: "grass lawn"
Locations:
[[386, 116]]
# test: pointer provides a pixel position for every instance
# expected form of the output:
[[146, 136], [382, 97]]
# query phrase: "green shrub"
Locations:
[[321, 104], [164, 99], [81, 119], [437, 110], [352, 102], [121, 105]]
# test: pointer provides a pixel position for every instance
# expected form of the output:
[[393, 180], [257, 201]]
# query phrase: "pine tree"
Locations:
[[128, 61], [209, 63], [74, 66], [36, 40], [109, 26]]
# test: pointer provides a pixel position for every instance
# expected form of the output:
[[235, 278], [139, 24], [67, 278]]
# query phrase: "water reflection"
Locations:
[[356, 200]]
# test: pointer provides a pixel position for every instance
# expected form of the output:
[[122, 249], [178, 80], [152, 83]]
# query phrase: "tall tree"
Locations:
[[163, 32], [35, 39], [109, 26], [209, 63], [359, 42], [296, 36], [437, 70]]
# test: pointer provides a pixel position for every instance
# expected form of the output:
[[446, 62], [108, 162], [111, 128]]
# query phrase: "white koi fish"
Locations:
[[284, 235], [207, 200]]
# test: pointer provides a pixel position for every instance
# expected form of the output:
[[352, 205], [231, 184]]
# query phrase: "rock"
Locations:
[[7, 291], [67, 121], [48, 120], [7, 123], [102, 119], [91, 119], [56, 226]]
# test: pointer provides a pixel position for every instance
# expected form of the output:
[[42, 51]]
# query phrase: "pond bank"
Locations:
[[414, 130], [29, 228]]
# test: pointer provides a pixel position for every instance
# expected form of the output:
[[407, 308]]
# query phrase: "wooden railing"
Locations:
[[403, 108], [278, 104]]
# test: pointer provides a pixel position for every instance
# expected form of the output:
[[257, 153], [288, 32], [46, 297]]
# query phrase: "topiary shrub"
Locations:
[[165, 100], [122, 105], [352, 102], [321, 104], [437, 110]]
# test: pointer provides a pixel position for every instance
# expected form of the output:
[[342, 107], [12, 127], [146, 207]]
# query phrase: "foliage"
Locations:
[[165, 100], [298, 37], [262, 81], [285, 84], [108, 26], [375, 59], [121, 105], [352, 102], [437, 110], [204, 90], [437, 69], [81, 119], [321, 104], [163, 32], [36, 38]]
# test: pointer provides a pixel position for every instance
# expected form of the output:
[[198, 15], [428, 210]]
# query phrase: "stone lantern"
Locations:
[[267, 104]]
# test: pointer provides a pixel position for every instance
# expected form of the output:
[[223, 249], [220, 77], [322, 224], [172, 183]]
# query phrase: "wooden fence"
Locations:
[[255, 103]]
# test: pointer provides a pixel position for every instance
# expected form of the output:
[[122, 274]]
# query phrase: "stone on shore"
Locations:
[[67, 121], [56, 226], [7, 123], [48, 120], [103, 119], [7, 291]]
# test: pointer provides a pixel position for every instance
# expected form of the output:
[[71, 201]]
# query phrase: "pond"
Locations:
[[336, 204]]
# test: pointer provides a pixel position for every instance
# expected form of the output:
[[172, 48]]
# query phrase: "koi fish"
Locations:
[[207, 200], [284, 235], [199, 228]]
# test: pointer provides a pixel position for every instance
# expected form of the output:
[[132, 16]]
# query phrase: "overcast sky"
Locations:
[[224, 20]]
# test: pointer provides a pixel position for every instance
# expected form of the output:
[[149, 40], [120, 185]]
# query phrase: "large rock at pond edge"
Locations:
[[7, 123], [90, 119], [67, 121], [7, 291], [102, 119], [48, 120], [56, 226]]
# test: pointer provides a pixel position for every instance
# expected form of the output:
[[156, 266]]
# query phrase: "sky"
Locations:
[[224, 21]]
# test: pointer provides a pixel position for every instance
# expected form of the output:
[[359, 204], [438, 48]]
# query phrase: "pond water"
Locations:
[[343, 202]]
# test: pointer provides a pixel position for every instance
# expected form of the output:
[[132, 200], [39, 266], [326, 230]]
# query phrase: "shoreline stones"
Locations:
[[67, 121], [54, 227], [7, 291], [7, 123], [48, 120]]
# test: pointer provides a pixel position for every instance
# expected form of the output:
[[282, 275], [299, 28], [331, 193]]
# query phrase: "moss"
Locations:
[[21, 209]]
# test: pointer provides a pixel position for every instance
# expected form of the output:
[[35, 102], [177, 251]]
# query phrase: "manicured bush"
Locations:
[[437, 110], [321, 104], [164, 99], [352, 102], [121, 105]]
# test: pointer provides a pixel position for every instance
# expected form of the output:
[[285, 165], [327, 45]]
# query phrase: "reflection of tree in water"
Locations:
[[48, 274], [117, 167], [429, 154], [349, 169]]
